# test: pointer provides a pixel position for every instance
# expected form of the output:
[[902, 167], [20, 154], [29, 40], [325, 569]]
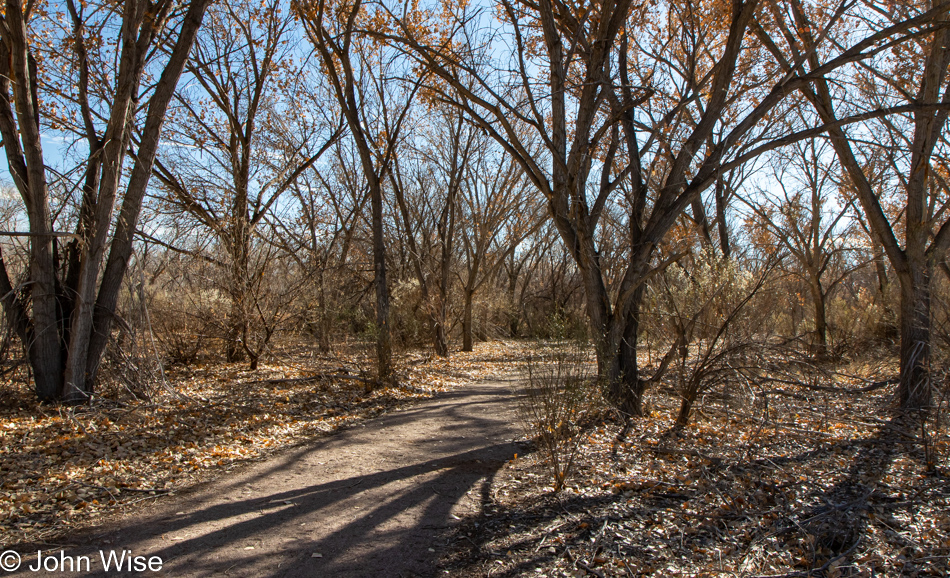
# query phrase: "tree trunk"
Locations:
[[821, 322], [880, 268], [441, 342], [914, 390], [71, 319], [690, 389], [480, 331], [324, 323], [326, 327], [617, 361], [120, 251], [233, 351], [631, 402], [686, 408], [880, 290], [238, 285], [467, 344], [384, 345], [514, 307], [20, 128], [46, 349]]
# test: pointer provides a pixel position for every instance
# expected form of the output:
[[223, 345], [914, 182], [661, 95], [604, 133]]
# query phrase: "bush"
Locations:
[[714, 312], [560, 392]]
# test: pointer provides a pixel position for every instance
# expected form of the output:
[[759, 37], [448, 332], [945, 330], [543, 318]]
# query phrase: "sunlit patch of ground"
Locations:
[[63, 468]]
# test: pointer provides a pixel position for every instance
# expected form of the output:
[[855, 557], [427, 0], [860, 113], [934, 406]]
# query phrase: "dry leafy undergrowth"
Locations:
[[64, 468], [794, 482]]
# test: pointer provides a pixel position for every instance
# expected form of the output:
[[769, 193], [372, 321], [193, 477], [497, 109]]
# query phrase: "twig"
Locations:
[[584, 565], [849, 391], [145, 498], [578, 562], [676, 452], [314, 377]]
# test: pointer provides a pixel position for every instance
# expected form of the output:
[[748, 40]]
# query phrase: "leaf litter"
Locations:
[[787, 483], [800, 483], [62, 469]]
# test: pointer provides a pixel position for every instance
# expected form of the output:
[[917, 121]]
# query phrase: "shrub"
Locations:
[[710, 312], [559, 393]]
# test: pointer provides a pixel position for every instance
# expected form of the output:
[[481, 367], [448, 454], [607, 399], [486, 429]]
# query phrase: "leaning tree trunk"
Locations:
[[690, 392], [120, 251]]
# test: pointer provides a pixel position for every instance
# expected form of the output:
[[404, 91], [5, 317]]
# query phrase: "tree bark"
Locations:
[[126, 224], [615, 341], [467, 322], [914, 390], [384, 345], [29, 172], [821, 322]]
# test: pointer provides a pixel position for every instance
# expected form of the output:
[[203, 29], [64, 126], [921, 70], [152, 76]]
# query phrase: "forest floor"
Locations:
[[63, 469], [819, 478]]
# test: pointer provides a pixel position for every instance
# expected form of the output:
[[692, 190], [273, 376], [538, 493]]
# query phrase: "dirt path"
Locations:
[[374, 500]]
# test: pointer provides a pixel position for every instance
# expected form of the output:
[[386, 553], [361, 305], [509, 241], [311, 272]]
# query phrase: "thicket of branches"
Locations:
[[684, 185]]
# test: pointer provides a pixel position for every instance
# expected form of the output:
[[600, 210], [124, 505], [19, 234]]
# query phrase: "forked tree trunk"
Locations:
[[617, 364], [67, 327]]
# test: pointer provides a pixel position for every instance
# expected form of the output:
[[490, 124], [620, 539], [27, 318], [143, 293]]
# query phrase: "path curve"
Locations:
[[373, 500]]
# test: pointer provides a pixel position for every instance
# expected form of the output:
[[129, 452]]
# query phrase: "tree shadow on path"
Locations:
[[375, 500]]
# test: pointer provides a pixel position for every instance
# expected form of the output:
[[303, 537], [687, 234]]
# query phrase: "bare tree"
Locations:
[[319, 237], [363, 76], [434, 174], [802, 219], [65, 315], [915, 86], [232, 151], [498, 214], [637, 110]]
